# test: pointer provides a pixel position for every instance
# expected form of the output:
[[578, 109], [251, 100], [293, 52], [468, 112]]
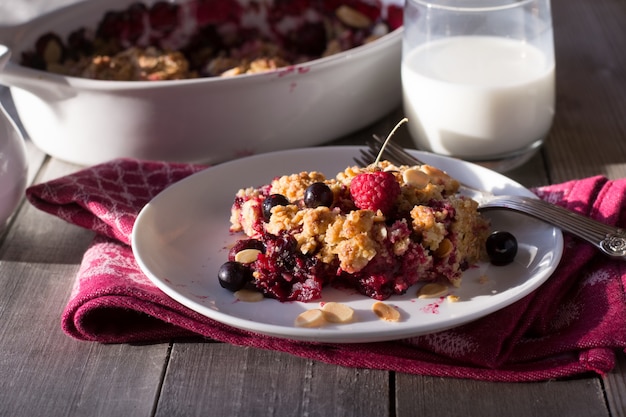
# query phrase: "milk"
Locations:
[[478, 96]]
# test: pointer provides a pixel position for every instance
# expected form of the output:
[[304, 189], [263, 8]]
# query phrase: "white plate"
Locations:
[[181, 238]]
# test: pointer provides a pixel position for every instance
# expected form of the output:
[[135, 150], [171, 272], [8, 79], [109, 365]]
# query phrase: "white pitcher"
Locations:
[[13, 164]]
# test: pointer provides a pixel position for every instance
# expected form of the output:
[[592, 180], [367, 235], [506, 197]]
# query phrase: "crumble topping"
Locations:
[[293, 186], [431, 235], [198, 38]]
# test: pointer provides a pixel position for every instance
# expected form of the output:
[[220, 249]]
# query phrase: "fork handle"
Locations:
[[610, 240]]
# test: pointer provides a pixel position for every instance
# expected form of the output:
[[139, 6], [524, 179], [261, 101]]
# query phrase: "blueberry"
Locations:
[[318, 194], [234, 275], [501, 248], [272, 201]]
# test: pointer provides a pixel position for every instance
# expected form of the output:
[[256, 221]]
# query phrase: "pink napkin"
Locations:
[[572, 325]]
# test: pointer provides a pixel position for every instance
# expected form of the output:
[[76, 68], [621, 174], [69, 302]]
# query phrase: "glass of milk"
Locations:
[[478, 78]]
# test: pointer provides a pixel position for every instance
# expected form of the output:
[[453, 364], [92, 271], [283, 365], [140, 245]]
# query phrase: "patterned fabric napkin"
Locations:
[[573, 324]]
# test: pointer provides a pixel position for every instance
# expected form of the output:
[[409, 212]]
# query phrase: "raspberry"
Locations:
[[376, 190]]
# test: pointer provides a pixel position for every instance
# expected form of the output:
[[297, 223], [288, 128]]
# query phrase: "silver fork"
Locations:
[[610, 240]]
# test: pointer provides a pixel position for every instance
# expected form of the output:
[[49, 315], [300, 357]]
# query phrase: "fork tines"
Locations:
[[393, 152]]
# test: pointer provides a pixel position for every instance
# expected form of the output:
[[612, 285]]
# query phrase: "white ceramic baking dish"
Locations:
[[207, 120]]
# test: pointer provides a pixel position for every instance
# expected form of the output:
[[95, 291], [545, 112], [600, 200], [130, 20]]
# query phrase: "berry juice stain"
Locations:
[[286, 71], [433, 308], [201, 297]]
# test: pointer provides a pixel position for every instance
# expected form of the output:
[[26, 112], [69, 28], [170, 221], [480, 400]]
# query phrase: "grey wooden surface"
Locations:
[[45, 373]]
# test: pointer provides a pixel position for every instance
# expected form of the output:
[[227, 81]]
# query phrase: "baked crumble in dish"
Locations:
[[378, 230], [208, 38]]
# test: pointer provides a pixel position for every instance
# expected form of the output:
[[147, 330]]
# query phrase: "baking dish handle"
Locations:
[[47, 87]]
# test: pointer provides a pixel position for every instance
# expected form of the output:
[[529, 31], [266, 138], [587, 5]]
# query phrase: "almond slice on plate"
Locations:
[[337, 312], [385, 311], [310, 318]]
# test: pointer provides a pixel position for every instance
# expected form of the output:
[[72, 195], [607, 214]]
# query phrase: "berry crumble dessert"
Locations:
[[208, 38], [378, 230]]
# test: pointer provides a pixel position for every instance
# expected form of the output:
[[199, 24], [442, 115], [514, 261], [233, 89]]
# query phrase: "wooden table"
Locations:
[[44, 372]]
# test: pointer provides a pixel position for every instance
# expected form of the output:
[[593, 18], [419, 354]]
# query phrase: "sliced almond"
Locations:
[[413, 176], [352, 18], [337, 312], [248, 296], [453, 298], [310, 318], [444, 249], [53, 51], [434, 172], [385, 311], [432, 290], [247, 256]]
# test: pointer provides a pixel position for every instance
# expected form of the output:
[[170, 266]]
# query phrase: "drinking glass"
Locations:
[[478, 78]]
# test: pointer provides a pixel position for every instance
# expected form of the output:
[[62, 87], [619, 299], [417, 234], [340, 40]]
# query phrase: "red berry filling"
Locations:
[[284, 273]]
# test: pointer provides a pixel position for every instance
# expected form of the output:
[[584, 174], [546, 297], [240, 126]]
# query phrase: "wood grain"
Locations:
[[214, 379], [615, 386], [436, 397], [589, 131]]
